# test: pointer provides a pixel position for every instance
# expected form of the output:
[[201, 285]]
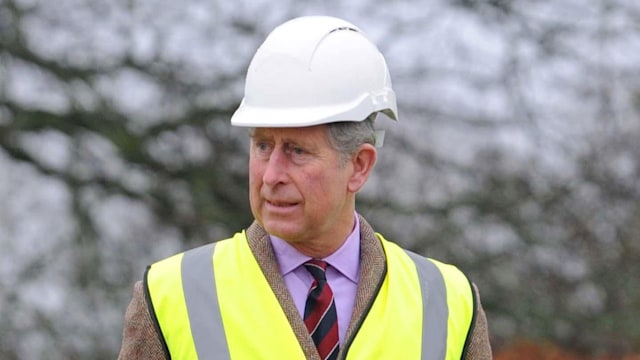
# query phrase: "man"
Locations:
[[309, 278]]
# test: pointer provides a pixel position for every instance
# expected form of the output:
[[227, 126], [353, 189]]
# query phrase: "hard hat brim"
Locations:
[[358, 110]]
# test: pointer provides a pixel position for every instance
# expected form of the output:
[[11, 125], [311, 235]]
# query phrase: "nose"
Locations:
[[275, 171]]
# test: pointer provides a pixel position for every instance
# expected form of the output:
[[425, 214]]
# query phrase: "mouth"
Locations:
[[280, 204]]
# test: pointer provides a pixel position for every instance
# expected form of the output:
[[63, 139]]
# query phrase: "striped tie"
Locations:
[[320, 314]]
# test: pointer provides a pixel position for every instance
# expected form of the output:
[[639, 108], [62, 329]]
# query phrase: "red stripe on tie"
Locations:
[[329, 344], [320, 315]]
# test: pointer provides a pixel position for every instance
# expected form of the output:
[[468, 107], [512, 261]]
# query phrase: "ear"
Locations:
[[362, 161]]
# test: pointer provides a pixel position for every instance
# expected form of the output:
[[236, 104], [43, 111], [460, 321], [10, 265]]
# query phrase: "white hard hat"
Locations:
[[315, 70]]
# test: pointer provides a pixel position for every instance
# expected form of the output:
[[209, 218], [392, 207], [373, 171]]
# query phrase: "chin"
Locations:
[[283, 231]]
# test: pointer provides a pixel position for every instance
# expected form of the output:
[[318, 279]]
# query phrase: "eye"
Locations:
[[295, 150], [262, 147]]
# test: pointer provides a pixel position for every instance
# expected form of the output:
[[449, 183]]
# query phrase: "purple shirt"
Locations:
[[342, 274]]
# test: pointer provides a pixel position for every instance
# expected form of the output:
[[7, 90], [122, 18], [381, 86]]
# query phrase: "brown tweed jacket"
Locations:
[[142, 341]]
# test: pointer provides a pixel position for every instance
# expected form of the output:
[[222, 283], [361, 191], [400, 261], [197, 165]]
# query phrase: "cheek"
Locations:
[[324, 186], [255, 174], [255, 183]]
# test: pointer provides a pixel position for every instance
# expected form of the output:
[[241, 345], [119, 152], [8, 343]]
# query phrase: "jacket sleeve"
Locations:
[[140, 340], [478, 345]]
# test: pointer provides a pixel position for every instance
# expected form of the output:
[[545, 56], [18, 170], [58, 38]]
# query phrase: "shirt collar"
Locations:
[[346, 259]]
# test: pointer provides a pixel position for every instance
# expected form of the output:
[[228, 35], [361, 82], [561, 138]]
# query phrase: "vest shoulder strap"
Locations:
[[448, 304], [213, 302], [187, 331]]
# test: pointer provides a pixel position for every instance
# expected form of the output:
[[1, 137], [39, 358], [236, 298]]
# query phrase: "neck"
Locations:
[[330, 242]]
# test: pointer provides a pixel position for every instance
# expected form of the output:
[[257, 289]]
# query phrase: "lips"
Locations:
[[282, 204], [281, 207]]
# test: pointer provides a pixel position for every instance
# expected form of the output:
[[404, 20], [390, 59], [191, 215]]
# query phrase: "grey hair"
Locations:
[[347, 136]]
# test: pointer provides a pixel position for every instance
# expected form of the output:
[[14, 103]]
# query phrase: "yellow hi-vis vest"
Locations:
[[214, 302]]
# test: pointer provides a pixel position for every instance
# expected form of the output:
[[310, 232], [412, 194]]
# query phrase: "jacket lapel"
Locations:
[[373, 268], [263, 251]]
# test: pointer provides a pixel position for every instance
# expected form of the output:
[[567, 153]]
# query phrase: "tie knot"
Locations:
[[317, 269]]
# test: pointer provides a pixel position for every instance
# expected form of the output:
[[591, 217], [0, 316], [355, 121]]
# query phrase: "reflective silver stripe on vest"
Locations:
[[199, 286], [435, 312]]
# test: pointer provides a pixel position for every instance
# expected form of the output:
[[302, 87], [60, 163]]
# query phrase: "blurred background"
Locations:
[[516, 157]]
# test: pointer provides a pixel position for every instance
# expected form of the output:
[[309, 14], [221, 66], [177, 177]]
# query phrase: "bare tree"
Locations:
[[515, 156]]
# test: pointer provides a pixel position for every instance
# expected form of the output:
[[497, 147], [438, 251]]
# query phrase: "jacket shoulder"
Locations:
[[140, 340]]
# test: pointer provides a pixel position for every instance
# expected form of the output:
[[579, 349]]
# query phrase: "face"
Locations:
[[300, 191]]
